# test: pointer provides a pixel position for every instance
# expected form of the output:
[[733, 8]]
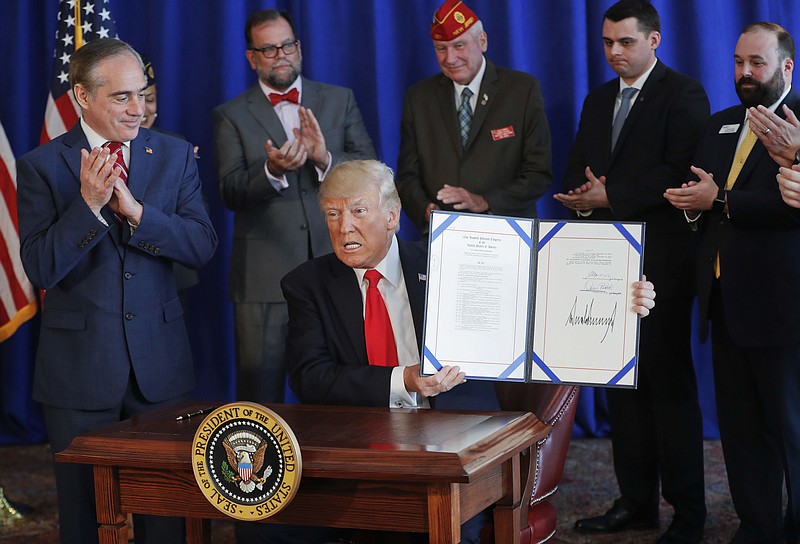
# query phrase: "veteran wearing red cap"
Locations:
[[475, 137]]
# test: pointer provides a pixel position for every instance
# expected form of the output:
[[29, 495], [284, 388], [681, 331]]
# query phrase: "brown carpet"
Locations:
[[588, 488]]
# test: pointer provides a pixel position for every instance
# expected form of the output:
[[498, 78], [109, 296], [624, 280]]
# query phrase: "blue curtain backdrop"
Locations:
[[376, 47]]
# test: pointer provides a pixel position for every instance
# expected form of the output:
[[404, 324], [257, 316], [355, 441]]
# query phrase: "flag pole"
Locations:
[[78, 26]]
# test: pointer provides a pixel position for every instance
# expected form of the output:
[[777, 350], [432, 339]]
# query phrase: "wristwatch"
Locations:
[[719, 202]]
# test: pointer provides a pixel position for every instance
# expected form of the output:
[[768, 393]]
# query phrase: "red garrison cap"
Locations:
[[451, 20]]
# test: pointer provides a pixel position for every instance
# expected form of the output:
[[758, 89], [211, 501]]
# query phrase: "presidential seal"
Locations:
[[246, 461]]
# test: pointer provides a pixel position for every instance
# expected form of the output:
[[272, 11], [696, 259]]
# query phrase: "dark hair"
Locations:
[[264, 16], [646, 15], [84, 61], [785, 41]]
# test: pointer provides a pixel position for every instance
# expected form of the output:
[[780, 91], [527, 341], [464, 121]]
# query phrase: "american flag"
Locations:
[[79, 22], [17, 298]]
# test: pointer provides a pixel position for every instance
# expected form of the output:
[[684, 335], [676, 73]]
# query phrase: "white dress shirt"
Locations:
[[393, 290]]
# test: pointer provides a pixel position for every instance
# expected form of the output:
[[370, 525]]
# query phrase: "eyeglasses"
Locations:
[[271, 51]]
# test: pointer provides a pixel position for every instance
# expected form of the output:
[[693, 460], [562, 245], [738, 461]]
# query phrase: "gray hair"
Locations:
[[84, 61]]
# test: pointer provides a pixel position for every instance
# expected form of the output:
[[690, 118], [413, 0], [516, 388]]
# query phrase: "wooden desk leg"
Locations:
[[444, 513], [198, 531], [507, 511], [113, 522]]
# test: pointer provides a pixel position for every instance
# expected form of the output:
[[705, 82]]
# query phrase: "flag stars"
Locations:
[[105, 14], [65, 58], [87, 27], [63, 77], [67, 39], [70, 21], [71, 4], [88, 8], [102, 33]]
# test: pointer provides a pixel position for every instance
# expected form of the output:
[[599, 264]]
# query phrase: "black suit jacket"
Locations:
[[653, 152], [758, 245], [326, 348]]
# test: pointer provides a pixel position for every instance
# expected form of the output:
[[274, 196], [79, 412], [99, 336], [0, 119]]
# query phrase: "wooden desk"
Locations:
[[368, 468]]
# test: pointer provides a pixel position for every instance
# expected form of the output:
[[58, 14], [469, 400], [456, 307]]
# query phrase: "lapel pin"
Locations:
[[485, 99], [148, 150], [422, 277]]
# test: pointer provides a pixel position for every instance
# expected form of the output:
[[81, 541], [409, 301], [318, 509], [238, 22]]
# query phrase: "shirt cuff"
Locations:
[[586, 213], [398, 396], [320, 174], [278, 183], [689, 219]]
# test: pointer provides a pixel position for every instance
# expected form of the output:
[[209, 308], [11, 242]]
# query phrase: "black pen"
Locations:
[[197, 413]]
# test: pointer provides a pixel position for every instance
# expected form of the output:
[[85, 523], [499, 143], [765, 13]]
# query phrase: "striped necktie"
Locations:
[[116, 149]]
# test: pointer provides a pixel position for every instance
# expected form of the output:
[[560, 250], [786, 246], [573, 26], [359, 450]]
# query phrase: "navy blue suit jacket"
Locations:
[[111, 305], [759, 245], [326, 349]]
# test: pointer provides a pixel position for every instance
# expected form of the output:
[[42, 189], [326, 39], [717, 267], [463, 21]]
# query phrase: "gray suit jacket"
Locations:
[[276, 231]]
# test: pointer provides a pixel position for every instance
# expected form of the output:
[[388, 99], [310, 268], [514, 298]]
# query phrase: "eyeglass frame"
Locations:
[[263, 50]]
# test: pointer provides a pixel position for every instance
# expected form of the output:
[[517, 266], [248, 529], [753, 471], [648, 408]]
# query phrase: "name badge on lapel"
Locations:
[[729, 129], [503, 133]]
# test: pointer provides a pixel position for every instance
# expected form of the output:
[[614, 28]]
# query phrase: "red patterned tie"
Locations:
[[381, 349], [292, 96], [116, 149]]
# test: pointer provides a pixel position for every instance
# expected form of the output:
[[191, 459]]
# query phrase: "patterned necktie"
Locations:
[[464, 115], [622, 114], [741, 156], [116, 150], [381, 349], [736, 167], [292, 96]]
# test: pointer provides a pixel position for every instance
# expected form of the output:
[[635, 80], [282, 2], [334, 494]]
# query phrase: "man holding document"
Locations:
[[341, 351]]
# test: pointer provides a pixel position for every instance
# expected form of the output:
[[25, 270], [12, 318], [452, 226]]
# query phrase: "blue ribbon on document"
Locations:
[[512, 367], [544, 368], [621, 374], [443, 227], [628, 236], [547, 237], [522, 234], [434, 361]]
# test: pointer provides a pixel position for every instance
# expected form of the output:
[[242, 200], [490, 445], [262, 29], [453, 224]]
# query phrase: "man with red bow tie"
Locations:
[[274, 143]]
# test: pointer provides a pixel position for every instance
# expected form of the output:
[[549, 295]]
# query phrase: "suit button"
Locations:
[[128, 275], [303, 227], [157, 250], [129, 316]]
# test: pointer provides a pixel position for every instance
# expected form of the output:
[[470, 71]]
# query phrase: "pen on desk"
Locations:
[[197, 413]]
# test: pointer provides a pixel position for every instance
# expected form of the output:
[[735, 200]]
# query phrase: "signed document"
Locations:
[[519, 299]]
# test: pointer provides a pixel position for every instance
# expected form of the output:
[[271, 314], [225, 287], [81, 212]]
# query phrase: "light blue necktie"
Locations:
[[464, 115], [622, 114]]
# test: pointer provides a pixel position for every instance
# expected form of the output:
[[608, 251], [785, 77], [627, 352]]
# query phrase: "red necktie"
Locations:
[[292, 96], [116, 149], [381, 349]]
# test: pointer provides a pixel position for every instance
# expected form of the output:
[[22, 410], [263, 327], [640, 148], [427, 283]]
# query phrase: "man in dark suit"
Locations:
[[112, 342], [496, 159], [618, 170], [331, 348], [747, 270], [274, 144]]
